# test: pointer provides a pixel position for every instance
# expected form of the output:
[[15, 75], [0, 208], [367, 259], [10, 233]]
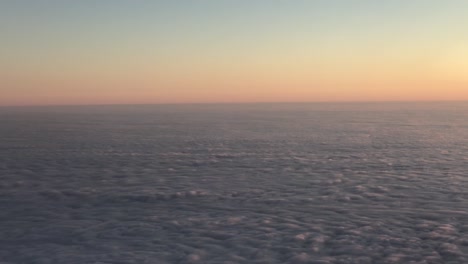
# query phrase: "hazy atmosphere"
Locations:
[[108, 52], [233, 132]]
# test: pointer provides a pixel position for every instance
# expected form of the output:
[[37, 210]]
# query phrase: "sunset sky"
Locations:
[[112, 52]]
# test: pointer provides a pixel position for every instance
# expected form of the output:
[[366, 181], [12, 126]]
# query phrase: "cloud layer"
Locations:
[[234, 184]]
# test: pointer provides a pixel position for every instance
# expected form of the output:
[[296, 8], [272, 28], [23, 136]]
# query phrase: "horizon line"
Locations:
[[237, 103]]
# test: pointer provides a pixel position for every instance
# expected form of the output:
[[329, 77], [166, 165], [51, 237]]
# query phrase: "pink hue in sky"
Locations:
[[165, 52]]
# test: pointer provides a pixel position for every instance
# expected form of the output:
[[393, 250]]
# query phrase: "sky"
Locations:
[[56, 52]]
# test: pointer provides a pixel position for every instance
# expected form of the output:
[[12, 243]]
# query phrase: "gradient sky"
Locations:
[[135, 51]]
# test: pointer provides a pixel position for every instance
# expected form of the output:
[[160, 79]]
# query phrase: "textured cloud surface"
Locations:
[[278, 183]]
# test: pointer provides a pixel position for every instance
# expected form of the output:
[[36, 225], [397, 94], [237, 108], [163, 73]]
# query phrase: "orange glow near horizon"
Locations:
[[413, 53]]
